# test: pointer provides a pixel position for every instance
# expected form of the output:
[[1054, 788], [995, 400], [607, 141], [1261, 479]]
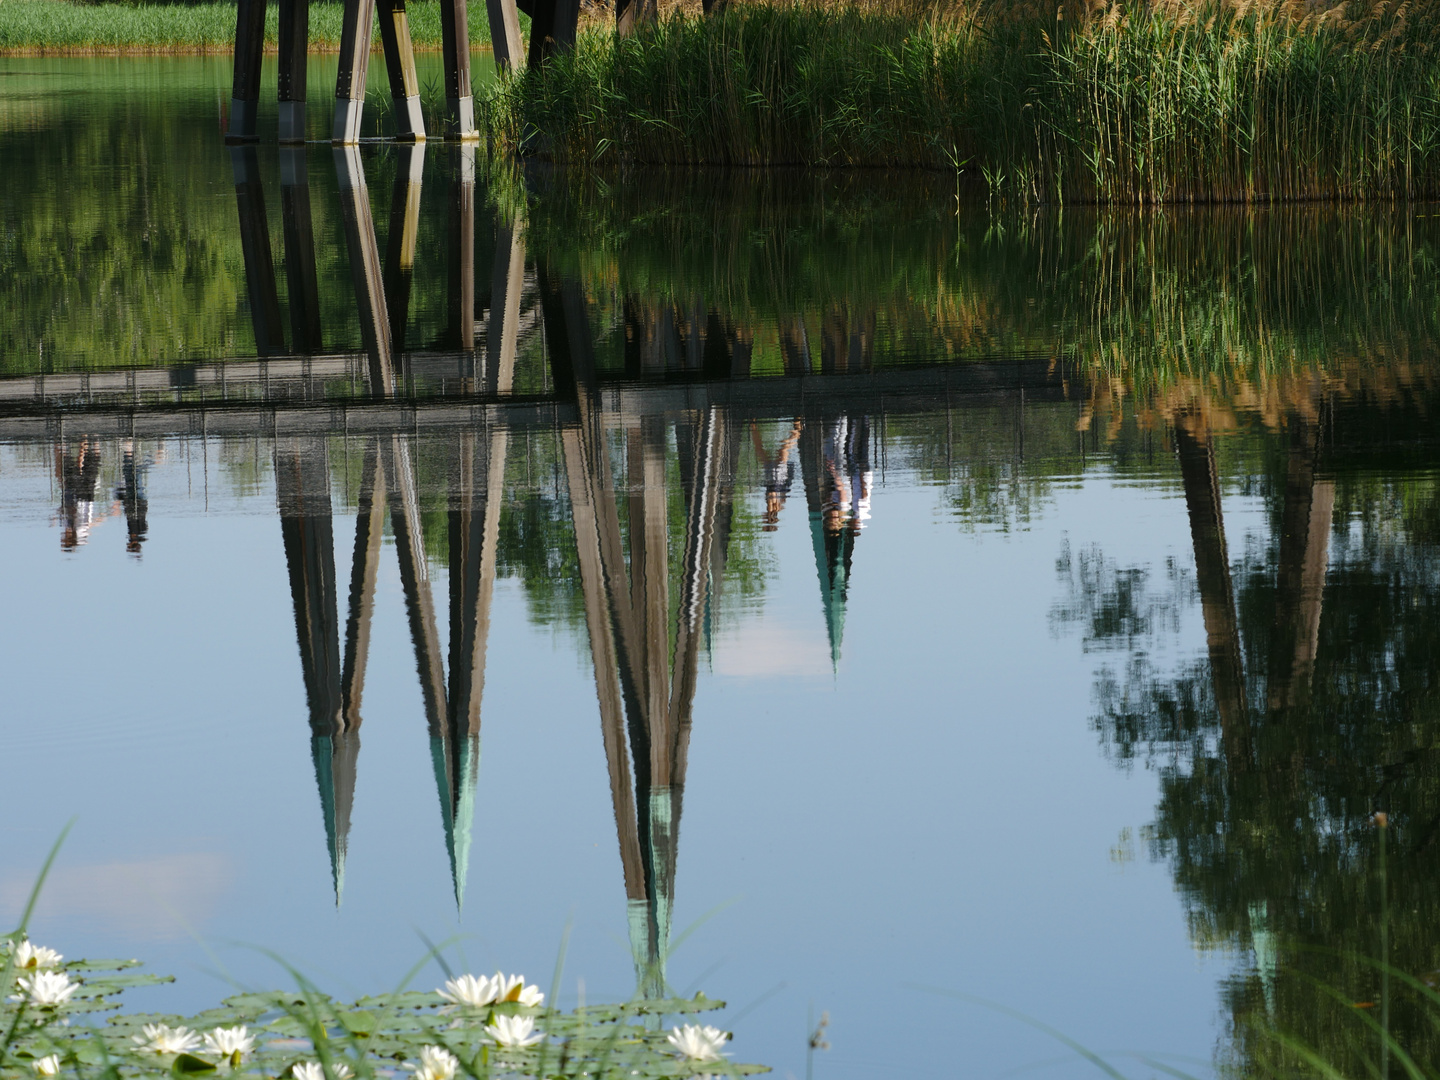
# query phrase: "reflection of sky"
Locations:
[[936, 813]]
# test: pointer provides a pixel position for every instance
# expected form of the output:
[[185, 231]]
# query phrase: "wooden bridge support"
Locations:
[[355, 66], [245, 87], [294, 46], [553, 25]]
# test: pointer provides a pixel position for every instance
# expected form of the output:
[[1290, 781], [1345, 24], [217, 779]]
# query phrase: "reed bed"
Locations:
[[1230, 102], [58, 28]]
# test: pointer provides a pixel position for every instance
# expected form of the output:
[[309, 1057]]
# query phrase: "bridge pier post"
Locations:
[[245, 89], [294, 45], [354, 66], [400, 65]]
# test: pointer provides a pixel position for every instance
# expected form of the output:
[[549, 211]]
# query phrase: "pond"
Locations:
[[814, 590]]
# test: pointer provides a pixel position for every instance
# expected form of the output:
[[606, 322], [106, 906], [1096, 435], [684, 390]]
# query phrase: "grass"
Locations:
[[58, 27], [1122, 103]]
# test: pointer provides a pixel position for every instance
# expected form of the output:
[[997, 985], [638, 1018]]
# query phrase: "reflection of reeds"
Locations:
[[1249, 306], [1141, 103]]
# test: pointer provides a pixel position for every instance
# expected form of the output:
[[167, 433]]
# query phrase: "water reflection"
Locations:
[[671, 414]]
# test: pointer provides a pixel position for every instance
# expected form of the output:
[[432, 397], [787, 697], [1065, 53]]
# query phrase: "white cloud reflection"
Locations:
[[157, 899], [765, 648]]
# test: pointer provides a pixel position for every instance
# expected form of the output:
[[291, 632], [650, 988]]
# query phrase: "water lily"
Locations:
[[163, 1039], [47, 988], [513, 988], [514, 1031], [471, 991], [234, 1043], [30, 957], [47, 1066], [313, 1070], [436, 1063], [696, 1042]]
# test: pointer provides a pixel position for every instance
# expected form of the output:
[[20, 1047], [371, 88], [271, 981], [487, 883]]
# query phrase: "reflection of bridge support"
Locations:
[[400, 242], [255, 246], [1300, 580], [300, 274], [365, 270], [302, 484], [1201, 477], [645, 678]]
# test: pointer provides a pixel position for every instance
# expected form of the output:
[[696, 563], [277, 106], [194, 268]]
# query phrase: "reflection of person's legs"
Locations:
[[132, 496], [68, 468]]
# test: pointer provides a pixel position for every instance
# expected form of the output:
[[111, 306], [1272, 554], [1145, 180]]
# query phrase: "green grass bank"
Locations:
[[1242, 102], [60, 28]]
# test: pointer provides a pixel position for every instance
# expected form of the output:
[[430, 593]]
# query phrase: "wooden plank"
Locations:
[[354, 67], [294, 48], [505, 38], [400, 66], [245, 87]]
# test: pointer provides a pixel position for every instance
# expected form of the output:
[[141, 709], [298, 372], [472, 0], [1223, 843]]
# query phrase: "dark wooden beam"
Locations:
[[245, 88], [294, 46]]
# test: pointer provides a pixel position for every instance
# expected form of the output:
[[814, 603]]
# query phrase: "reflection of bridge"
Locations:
[[648, 457]]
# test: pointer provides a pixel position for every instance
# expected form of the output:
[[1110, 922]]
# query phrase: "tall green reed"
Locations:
[[1140, 104]]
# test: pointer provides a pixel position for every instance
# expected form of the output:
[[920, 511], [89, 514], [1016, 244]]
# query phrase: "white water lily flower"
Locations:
[[46, 988], [30, 957], [436, 1063], [233, 1043], [696, 1042], [471, 991], [313, 1070], [48, 1066], [163, 1039], [513, 988], [514, 1031]]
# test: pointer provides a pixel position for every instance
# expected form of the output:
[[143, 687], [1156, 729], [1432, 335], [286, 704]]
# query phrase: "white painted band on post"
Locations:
[[347, 121], [292, 121], [242, 119], [409, 120], [461, 115]]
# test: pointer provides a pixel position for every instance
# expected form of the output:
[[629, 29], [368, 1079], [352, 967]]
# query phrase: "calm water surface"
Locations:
[[810, 590]]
